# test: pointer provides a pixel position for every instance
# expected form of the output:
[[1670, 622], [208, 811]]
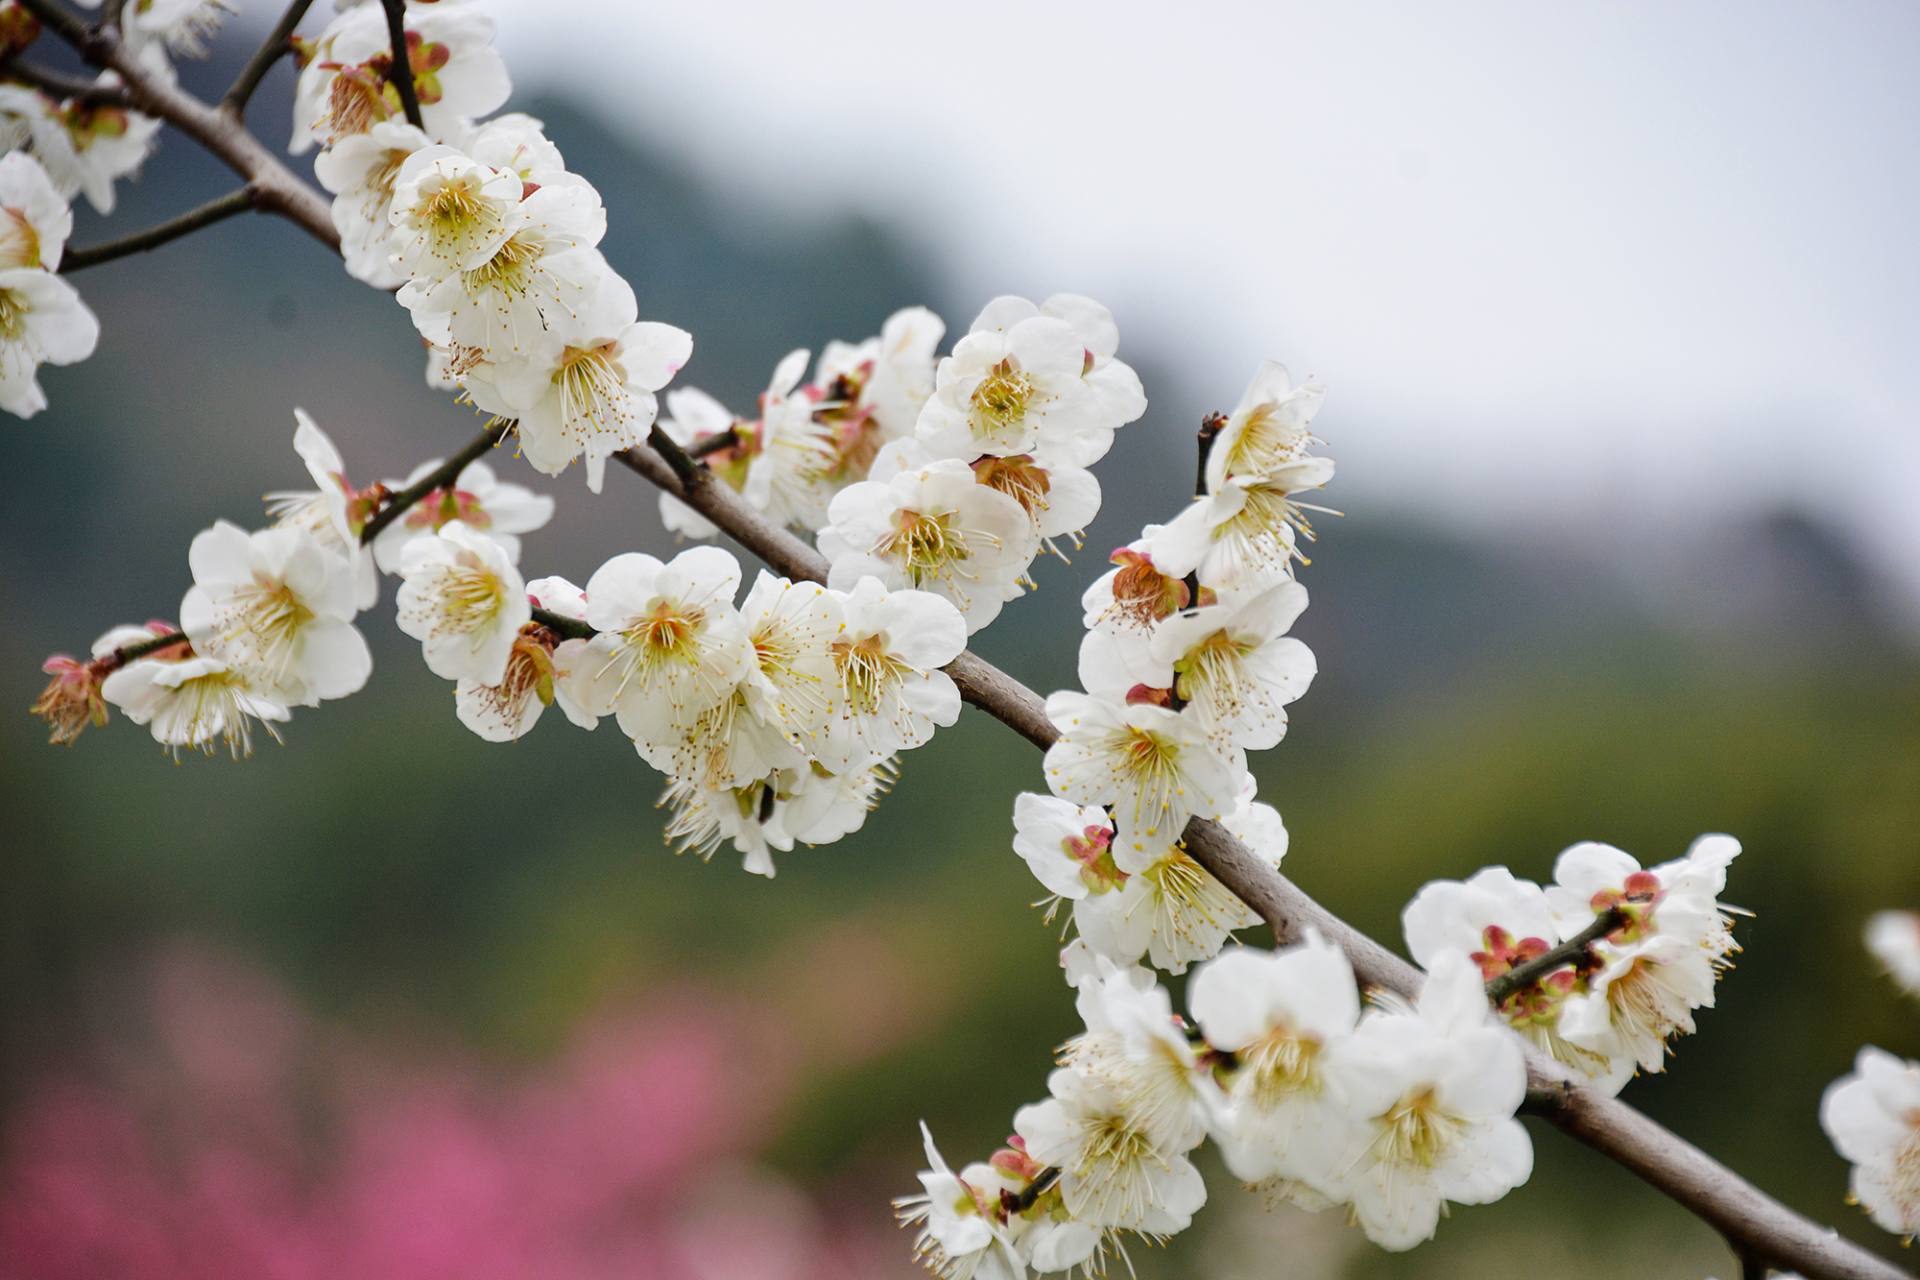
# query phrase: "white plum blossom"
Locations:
[[1066, 846], [521, 298], [277, 608], [334, 512], [450, 213], [194, 702], [872, 392], [538, 672], [42, 321], [790, 627], [1662, 963], [670, 645], [477, 498], [1011, 388], [345, 85], [1243, 536], [1169, 910], [1135, 1043], [518, 143], [183, 26], [463, 600], [1278, 1013], [933, 529], [888, 694], [35, 219], [1872, 1116], [362, 171], [1431, 1095], [1115, 1171], [1235, 664], [958, 1238], [1268, 430], [1894, 939], [84, 146], [749, 817], [1135, 593], [1499, 922], [788, 457], [592, 394], [1156, 768]]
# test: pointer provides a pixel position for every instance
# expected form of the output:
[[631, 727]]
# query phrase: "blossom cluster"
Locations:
[[1872, 1114], [59, 146]]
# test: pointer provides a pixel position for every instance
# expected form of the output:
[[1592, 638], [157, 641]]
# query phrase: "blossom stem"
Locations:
[[277, 45], [65, 87], [401, 73], [715, 443], [690, 474], [563, 626], [1209, 428], [441, 477], [206, 215], [1573, 951], [1041, 1184]]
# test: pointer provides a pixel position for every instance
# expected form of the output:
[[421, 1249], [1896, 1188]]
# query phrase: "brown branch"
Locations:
[[153, 237], [276, 188], [1761, 1225], [718, 442], [562, 625], [440, 477], [64, 87], [277, 45], [1572, 951], [401, 72]]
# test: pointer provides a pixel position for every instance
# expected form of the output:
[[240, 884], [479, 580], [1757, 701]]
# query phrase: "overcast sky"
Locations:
[[1589, 263]]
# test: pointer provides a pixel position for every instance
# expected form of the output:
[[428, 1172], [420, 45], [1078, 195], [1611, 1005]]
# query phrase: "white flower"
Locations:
[[183, 26], [84, 147], [334, 511], [195, 702], [933, 529], [1663, 962], [361, 172], [465, 603], [1894, 939], [42, 321], [1237, 666], [277, 608], [477, 499], [345, 86], [1066, 846], [1156, 768], [820, 807], [1873, 1119], [888, 693], [35, 220], [1269, 429], [871, 392], [1135, 593], [1278, 1013], [1244, 536], [749, 817], [790, 627], [1431, 1095], [1500, 922], [538, 672], [1170, 910], [670, 646], [593, 394], [958, 1239], [1136, 1044], [1010, 388], [1061, 500], [788, 456], [1113, 1172], [521, 298], [517, 142], [1027, 377], [450, 213]]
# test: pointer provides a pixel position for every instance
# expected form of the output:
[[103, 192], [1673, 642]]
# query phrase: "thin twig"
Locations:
[[277, 45], [1041, 1183], [66, 88], [440, 477], [401, 72], [1572, 951], [718, 442], [110, 15], [153, 237], [559, 623], [690, 473], [56, 19]]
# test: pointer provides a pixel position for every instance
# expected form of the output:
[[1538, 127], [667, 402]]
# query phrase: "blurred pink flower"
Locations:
[[244, 1140]]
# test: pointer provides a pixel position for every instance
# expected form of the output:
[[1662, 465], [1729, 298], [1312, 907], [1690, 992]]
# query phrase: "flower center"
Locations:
[[259, 630], [1265, 443], [1282, 1063], [666, 634], [214, 709], [1018, 478], [457, 213], [593, 391], [924, 544], [13, 314], [868, 670], [1000, 401], [470, 599], [19, 242], [1418, 1130], [509, 270]]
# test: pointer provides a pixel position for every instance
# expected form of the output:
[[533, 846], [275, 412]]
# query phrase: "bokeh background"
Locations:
[[1617, 310]]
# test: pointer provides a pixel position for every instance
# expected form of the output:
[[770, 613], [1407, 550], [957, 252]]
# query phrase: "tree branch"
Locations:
[[1572, 951], [401, 73], [1717, 1195], [277, 45], [562, 625], [718, 442], [64, 87], [153, 237], [276, 188], [441, 477]]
